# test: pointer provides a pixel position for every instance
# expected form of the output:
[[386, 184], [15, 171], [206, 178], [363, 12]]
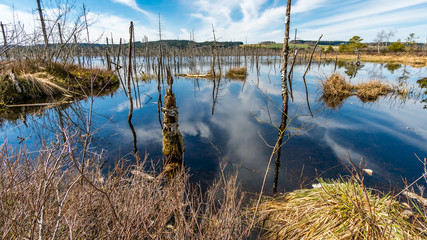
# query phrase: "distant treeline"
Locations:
[[180, 44]]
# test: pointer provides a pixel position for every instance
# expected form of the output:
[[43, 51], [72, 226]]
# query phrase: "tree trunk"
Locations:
[[4, 39], [46, 41], [282, 127]]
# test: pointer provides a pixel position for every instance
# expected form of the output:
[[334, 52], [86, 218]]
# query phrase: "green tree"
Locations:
[[343, 48], [397, 46], [356, 44], [410, 41], [329, 49]]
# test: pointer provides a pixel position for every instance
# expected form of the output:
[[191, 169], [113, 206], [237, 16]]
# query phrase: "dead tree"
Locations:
[[285, 96], [4, 39], [42, 22]]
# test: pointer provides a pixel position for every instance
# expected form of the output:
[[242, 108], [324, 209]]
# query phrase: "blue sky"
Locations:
[[250, 21]]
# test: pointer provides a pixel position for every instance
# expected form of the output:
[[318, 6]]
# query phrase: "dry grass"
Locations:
[[404, 58], [237, 73], [24, 80], [49, 195], [336, 89], [337, 210], [372, 90]]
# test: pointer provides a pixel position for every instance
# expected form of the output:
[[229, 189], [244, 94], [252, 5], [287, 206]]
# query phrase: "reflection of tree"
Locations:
[[351, 68], [402, 80], [392, 67]]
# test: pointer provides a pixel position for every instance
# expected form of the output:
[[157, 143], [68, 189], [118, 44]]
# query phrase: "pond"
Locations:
[[234, 121]]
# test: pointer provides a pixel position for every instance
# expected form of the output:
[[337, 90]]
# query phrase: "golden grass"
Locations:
[[337, 210], [372, 90], [407, 59], [25, 80], [336, 89], [237, 73]]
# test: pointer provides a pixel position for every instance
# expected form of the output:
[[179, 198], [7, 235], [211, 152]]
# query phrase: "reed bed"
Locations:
[[340, 209]]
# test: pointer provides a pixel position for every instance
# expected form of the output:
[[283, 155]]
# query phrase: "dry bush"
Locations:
[[50, 195], [337, 210]]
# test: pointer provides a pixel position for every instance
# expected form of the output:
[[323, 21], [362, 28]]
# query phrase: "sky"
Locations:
[[248, 21]]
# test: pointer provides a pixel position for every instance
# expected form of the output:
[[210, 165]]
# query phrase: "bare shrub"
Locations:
[[48, 195]]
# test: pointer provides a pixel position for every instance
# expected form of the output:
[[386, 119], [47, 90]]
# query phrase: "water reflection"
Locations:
[[392, 67], [423, 85], [386, 136], [351, 68]]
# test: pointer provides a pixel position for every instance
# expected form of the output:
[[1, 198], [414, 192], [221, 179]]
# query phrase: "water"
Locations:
[[236, 121]]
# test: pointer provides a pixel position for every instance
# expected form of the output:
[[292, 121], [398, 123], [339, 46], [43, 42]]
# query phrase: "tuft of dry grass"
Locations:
[[372, 90], [337, 210], [336, 89], [26, 80], [237, 73]]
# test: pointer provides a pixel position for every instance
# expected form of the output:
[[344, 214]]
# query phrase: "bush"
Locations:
[[397, 47], [329, 49]]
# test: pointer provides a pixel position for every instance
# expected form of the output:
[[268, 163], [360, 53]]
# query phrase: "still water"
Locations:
[[235, 121]]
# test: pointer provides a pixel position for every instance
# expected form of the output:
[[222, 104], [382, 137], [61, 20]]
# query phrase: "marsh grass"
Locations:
[[25, 80], [336, 89], [237, 73], [402, 58], [341, 209]]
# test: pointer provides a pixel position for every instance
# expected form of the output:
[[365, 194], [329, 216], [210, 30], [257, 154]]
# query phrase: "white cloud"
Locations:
[[367, 9], [255, 23], [306, 5], [134, 5], [366, 27]]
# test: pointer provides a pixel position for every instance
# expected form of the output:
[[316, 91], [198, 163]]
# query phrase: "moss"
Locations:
[[169, 148]]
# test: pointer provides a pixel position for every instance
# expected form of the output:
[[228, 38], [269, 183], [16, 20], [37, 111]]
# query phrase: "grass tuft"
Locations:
[[336, 89], [337, 210], [237, 73]]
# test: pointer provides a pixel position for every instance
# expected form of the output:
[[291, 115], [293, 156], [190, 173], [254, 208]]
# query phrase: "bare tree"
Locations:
[[42, 22]]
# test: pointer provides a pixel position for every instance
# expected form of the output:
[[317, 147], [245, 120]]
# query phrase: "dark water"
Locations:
[[233, 121]]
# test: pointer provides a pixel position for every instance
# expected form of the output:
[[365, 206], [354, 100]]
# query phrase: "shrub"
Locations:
[[397, 47]]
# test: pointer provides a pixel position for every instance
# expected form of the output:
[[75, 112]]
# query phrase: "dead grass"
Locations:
[[404, 58], [337, 210], [25, 80], [336, 89], [237, 73], [372, 90]]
